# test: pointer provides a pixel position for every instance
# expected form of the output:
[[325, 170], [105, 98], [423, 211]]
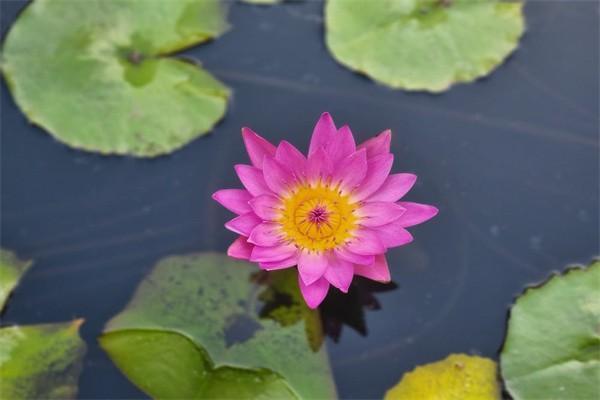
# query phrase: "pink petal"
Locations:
[[394, 187], [366, 242], [272, 254], [240, 249], [274, 265], [314, 294], [322, 134], [416, 213], [379, 271], [278, 177], [292, 158], [393, 235], [379, 213], [243, 224], [266, 206], [311, 266], [341, 145], [351, 171], [339, 273], [378, 145], [377, 172], [252, 179], [266, 234], [354, 258], [257, 147], [235, 200], [319, 165]]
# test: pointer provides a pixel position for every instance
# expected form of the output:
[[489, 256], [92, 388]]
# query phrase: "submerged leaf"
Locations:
[[95, 74], [458, 376], [552, 346], [11, 270], [422, 44], [204, 310], [41, 361]]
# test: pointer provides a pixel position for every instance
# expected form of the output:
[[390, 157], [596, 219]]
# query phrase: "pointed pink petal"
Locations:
[[235, 200], [341, 145], [266, 206], [272, 254], [350, 171], [314, 294], [278, 178], [274, 265], [377, 172], [378, 145], [322, 134], [347, 255], [394, 187], [292, 158], [243, 224], [319, 165], [311, 266], [257, 147], [379, 271], [252, 179], [366, 242], [240, 249], [339, 273], [416, 213], [379, 213], [393, 235], [266, 234]]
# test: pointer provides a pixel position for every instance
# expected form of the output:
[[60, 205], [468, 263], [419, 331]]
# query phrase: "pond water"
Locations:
[[511, 162]]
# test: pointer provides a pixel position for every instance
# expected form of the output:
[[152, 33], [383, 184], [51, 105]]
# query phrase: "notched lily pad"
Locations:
[[11, 270], [552, 345], [95, 73], [41, 361], [423, 44], [458, 376], [195, 321]]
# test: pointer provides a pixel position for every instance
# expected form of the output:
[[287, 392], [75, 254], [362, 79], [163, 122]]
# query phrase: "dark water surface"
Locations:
[[511, 161]]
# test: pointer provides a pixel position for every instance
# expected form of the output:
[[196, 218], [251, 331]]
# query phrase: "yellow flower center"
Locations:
[[317, 218]]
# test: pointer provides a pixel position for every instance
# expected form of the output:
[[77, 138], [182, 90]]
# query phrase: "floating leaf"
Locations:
[[41, 361], [96, 75], [203, 309], [459, 376], [422, 44], [552, 346], [11, 270]]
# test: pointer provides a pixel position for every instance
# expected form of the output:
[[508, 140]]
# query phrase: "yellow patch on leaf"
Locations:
[[458, 377]]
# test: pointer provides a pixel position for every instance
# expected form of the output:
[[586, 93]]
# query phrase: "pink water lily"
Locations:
[[333, 214]]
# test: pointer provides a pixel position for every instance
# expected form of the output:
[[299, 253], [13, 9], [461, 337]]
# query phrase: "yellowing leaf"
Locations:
[[458, 377]]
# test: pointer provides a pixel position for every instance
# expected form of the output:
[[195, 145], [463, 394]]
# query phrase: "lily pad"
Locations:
[[552, 346], [458, 376], [423, 44], [41, 361], [11, 270], [193, 326], [95, 74]]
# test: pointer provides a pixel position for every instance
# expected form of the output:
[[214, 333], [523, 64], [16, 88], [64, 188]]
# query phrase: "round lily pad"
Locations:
[[422, 44], [11, 271], [552, 346], [97, 76]]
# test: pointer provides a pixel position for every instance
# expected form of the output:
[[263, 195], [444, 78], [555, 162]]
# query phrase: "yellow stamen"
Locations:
[[317, 218]]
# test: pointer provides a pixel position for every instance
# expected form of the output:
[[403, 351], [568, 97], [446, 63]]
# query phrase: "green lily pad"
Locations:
[[11, 270], [95, 74], [41, 361], [422, 44], [552, 346], [193, 328]]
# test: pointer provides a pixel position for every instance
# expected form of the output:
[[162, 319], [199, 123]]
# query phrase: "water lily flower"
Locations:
[[333, 214]]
